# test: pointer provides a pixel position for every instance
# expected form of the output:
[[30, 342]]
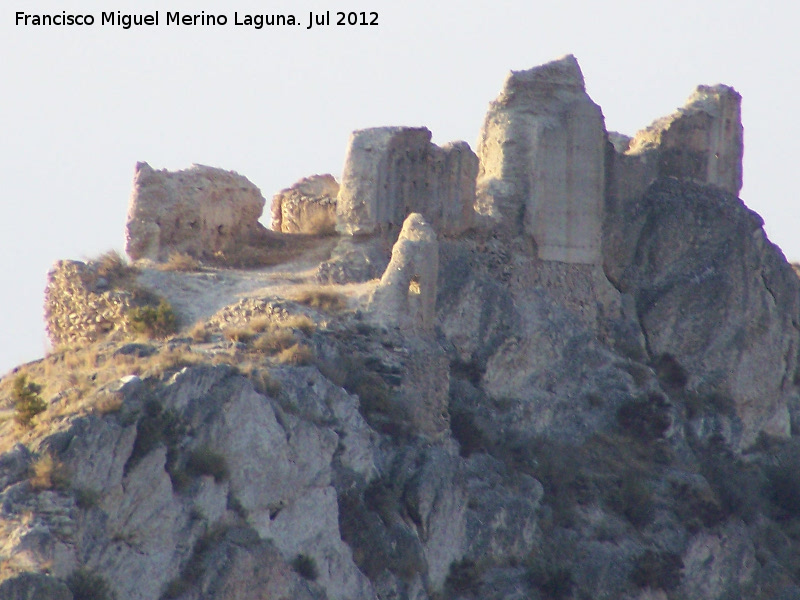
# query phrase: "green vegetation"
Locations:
[[153, 321], [205, 461], [87, 585], [27, 400]]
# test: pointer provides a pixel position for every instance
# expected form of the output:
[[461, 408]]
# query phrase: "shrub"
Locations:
[[322, 300], [153, 321], [88, 585], [199, 333], [300, 322], [274, 340], [27, 401], [297, 355], [48, 473], [239, 334], [647, 419], [113, 267], [86, 498], [657, 570], [554, 581], [179, 261], [205, 461], [305, 566]]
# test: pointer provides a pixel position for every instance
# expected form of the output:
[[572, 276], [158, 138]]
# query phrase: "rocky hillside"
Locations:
[[564, 366]]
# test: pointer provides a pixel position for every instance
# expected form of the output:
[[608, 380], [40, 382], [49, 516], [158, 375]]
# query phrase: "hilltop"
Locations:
[[563, 365]]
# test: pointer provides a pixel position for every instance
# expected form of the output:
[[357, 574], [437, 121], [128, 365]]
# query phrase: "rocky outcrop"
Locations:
[[309, 206], [390, 172], [712, 292], [198, 211], [406, 294], [541, 162]]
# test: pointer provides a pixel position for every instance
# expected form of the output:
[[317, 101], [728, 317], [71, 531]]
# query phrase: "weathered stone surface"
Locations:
[[34, 586], [390, 172], [701, 141], [308, 206], [715, 294], [541, 155], [406, 294], [76, 310], [199, 211]]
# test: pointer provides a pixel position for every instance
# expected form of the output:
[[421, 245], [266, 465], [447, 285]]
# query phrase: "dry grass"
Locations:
[[179, 261], [48, 473], [322, 299], [199, 333], [297, 355], [262, 381], [239, 334], [115, 268], [261, 324], [301, 323], [274, 340]]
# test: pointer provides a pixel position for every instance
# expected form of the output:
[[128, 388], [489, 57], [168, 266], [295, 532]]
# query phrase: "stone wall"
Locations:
[[541, 155], [79, 307], [309, 206], [702, 141], [391, 172], [198, 211]]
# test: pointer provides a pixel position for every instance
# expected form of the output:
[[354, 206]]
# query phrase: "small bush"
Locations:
[[155, 322], [48, 473], [199, 333], [296, 355], [239, 334], [27, 401], [263, 382], [322, 300], [86, 498], [657, 570], [114, 268], [554, 581], [305, 566], [646, 420], [273, 341], [88, 585], [301, 323], [179, 261], [205, 461]]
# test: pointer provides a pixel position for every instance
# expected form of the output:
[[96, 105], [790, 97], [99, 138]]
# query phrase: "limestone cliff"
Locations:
[[565, 367]]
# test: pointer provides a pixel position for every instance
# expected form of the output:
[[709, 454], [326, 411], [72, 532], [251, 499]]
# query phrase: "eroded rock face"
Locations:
[[541, 155], [197, 211], [390, 172], [715, 294], [309, 206]]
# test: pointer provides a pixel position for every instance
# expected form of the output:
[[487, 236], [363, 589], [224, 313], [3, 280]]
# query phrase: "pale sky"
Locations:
[[81, 105]]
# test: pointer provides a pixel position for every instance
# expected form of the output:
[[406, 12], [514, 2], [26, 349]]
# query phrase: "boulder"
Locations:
[[541, 153], [309, 206], [198, 211], [390, 172]]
